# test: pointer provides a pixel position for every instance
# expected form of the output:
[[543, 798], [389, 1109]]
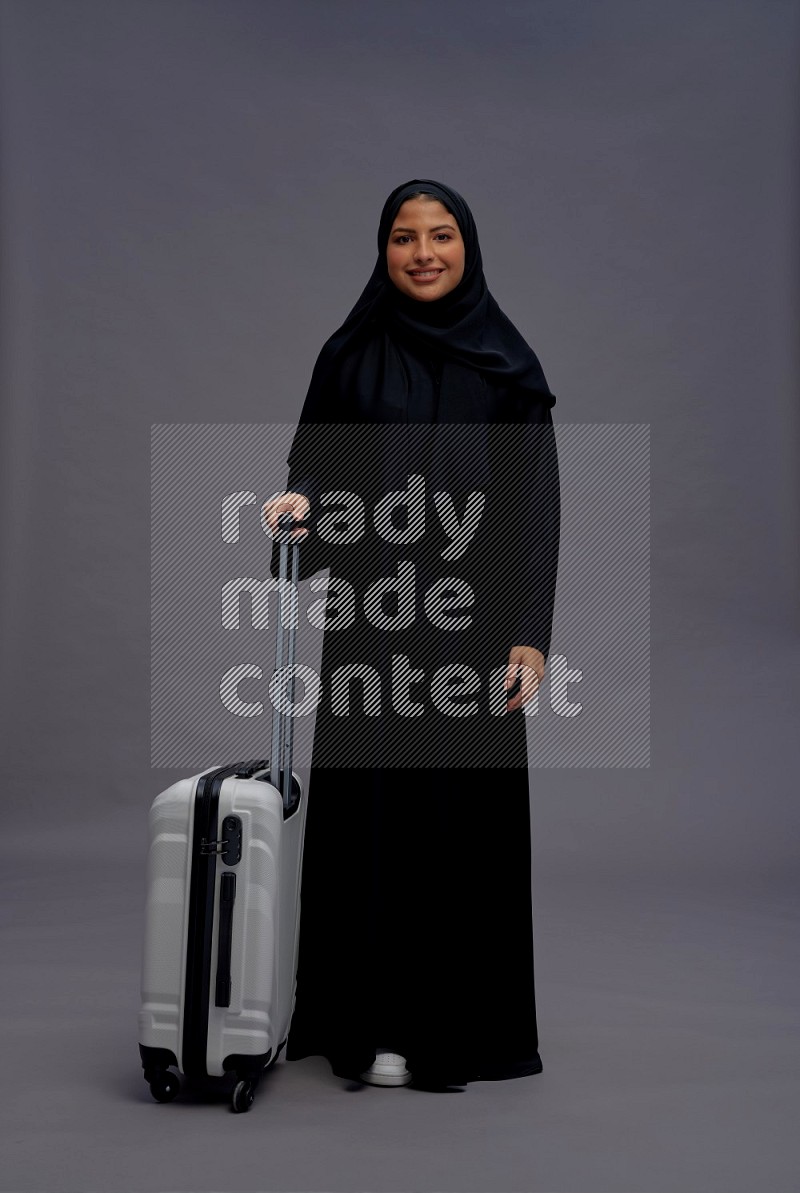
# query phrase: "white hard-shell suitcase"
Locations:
[[222, 915]]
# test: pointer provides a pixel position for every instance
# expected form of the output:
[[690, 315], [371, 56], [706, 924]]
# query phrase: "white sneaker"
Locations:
[[389, 1069]]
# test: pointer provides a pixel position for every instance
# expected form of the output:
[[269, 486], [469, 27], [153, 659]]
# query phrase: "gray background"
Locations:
[[190, 194]]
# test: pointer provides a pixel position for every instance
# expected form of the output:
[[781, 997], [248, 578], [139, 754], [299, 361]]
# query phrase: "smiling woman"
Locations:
[[425, 254], [416, 925]]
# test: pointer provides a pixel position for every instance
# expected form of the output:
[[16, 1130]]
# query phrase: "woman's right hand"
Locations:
[[297, 503]]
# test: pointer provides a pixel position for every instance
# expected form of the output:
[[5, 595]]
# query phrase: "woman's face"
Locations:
[[425, 253]]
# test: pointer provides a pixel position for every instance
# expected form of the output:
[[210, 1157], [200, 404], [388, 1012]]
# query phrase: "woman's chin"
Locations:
[[428, 293]]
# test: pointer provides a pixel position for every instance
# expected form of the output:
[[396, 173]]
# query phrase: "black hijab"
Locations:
[[386, 331], [399, 360]]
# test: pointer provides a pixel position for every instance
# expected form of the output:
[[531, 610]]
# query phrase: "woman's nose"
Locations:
[[423, 251]]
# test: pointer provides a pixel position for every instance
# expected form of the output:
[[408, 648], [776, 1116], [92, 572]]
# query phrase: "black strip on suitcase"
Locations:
[[196, 990], [227, 898], [201, 923]]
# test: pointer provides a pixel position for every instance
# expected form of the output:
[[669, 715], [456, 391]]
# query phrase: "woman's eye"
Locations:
[[403, 238]]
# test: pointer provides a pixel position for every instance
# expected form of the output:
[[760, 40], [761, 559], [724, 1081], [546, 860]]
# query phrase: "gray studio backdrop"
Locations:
[[189, 200]]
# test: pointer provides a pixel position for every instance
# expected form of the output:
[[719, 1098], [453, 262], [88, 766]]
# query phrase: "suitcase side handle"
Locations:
[[281, 753]]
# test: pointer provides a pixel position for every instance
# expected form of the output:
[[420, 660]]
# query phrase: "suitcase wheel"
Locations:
[[243, 1096], [164, 1086]]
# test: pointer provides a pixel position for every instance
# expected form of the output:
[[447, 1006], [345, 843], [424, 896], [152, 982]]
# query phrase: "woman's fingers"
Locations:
[[525, 669], [295, 503], [512, 670], [529, 684], [300, 509]]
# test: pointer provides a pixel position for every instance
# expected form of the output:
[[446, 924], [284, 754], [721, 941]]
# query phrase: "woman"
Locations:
[[416, 948]]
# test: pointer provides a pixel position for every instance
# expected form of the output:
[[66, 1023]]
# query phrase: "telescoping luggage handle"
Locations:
[[280, 765]]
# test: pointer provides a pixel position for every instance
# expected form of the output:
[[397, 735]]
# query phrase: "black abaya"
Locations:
[[416, 927], [415, 923]]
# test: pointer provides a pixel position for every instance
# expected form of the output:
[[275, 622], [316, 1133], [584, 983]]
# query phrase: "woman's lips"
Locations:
[[425, 276]]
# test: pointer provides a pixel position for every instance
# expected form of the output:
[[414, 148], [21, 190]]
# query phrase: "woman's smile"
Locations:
[[425, 275]]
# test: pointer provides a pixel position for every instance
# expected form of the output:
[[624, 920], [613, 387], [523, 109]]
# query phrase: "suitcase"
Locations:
[[222, 914]]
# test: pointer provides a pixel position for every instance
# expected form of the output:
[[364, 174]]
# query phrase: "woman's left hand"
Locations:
[[529, 662]]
